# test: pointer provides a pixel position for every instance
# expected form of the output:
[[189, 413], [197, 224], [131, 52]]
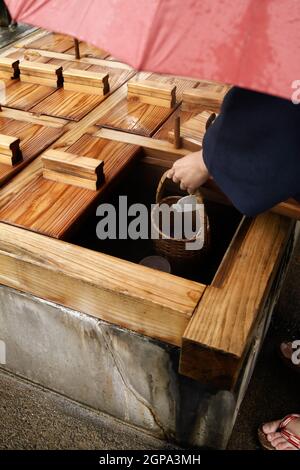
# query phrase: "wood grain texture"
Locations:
[[41, 73], [54, 42], [209, 95], [51, 42], [9, 68], [86, 81], [34, 138], [193, 130], [10, 153], [140, 118], [87, 50], [220, 331], [151, 303], [68, 168], [53, 208], [151, 92], [75, 105], [24, 96]]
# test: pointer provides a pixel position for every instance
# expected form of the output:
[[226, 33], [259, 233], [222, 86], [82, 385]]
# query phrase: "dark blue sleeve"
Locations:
[[252, 150]]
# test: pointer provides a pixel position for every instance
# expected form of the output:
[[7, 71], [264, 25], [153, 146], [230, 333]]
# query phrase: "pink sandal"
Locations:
[[292, 438]]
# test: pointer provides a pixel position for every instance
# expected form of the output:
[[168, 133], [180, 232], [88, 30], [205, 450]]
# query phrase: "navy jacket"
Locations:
[[252, 150]]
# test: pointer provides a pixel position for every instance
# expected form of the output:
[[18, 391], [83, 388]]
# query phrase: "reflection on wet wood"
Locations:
[[140, 118], [75, 105], [53, 208], [34, 139], [61, 43], [16, 94], [52, 42]]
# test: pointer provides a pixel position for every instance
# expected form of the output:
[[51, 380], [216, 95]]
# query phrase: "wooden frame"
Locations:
[[213, 325]]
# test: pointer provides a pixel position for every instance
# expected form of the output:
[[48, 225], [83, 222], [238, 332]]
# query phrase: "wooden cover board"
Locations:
[[34, 139], [69, 168], [53, 208], [24, 96], [140, 118], [75, 105]]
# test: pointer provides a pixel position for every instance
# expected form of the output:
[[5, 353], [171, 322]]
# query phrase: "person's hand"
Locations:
[[189, 171]]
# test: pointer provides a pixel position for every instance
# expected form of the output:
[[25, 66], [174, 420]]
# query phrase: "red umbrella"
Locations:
[[251, 43]]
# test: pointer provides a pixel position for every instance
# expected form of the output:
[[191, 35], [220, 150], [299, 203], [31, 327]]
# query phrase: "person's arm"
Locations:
[[252, 150]]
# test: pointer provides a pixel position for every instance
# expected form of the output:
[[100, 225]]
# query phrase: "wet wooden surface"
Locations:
[[55, 42], [24, 96], [64, 103], [34, 139], [141, 118], [52, 208], [75, 105]]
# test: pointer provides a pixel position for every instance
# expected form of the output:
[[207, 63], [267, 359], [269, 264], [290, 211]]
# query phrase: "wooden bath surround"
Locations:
[[214, 324]]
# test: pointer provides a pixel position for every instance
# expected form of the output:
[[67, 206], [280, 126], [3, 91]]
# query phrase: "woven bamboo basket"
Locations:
[[174, 249]]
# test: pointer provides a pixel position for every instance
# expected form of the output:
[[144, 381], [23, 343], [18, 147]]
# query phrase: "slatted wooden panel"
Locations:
[[34, 139], [55, 42], [73, 105], [53, 208], [24, 96], [140, 118]]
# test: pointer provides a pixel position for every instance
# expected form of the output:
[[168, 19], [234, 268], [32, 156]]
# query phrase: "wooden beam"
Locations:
[[144, 300], [177, 138], [160, 146], [9, 68], [220, 331], [193, 130], [40, 73], [10, 153], [77, 50], [152, 92], [209, 97], [64, 167], [85, 81]]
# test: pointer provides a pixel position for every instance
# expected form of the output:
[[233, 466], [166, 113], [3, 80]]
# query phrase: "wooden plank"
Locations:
[[60, 206], [97, 284], [220, 331], [146, 142], [50, 42], [10, 152], [47, 74], [34, 138], [23, 96], [209, 95], [51, 56], [64, 167], [9, 68], [152, 92], [32, 118], [60, 43], [86, 81], [141, 118]]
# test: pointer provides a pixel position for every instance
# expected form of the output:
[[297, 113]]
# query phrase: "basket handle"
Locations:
[[161, 187]]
